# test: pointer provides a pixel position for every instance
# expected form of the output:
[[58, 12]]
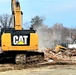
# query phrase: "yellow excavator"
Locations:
[[17, 44], [60, 47]]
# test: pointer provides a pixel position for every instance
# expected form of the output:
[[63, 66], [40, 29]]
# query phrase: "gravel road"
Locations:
[[44, 70]]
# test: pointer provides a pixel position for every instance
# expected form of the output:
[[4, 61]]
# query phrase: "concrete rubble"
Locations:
[[61, 56]]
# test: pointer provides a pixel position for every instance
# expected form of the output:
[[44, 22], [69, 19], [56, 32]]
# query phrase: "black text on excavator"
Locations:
[[18, 44]]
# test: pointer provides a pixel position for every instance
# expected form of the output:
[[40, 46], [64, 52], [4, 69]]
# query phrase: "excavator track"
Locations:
[[23, 57], [20, 59], [29, 58]]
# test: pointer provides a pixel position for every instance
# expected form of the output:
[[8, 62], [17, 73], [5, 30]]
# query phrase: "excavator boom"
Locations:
[[17, 14]]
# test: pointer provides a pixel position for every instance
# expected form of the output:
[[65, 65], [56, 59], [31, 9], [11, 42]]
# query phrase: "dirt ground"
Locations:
[[9, 69]]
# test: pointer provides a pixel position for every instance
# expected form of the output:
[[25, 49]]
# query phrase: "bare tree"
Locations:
[[37, 21], [5, 20]]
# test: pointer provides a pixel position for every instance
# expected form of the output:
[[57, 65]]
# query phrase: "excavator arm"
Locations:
[[17, 14]]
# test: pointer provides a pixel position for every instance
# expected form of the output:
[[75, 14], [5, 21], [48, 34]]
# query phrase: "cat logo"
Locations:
[[20, 40]]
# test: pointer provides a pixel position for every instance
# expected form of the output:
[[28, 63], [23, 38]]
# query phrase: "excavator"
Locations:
[[65, 46], [17, 44], [59, 48]]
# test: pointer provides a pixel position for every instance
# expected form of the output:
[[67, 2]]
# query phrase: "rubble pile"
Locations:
[[62, 55]]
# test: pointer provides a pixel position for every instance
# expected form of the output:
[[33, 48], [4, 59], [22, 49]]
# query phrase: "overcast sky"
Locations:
[[54, 11]]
